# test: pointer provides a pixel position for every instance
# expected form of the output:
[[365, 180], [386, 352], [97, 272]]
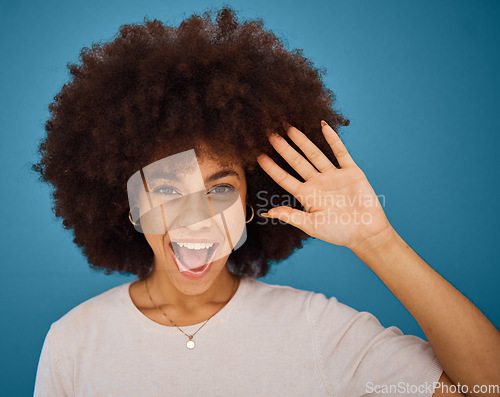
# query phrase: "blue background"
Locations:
[[418, 80]]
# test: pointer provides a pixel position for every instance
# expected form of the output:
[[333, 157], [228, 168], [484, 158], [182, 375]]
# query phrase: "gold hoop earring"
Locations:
[[253, 213], [130, 218]]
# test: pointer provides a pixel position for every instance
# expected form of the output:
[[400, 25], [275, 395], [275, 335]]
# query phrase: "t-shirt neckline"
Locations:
[[216, 319]]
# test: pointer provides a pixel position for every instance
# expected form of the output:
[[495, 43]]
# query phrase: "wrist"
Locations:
[[378, 242]]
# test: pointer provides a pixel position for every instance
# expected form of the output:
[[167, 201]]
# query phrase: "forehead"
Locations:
[[184, 170], [188, 164], [180, 164]]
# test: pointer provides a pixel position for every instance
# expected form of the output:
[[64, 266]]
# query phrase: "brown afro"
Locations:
[[156, 90]]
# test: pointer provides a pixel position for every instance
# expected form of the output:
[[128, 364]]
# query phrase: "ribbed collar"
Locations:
[[145, 321]]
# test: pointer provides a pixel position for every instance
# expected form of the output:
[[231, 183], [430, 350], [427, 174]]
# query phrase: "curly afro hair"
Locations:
[[156, 90]]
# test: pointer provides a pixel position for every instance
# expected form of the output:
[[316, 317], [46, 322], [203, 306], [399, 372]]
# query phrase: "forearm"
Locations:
[[466, 344]]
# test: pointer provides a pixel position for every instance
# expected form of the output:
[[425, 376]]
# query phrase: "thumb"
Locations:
[[292, 216]]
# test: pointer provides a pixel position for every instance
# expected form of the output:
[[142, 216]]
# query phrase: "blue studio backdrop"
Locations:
[[418, 80]]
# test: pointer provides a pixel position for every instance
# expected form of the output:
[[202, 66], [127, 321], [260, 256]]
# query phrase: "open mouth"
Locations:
[[193, 258]]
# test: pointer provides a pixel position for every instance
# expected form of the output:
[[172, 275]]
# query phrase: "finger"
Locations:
[[313, 153], [338, 148], [292, 216], [292, 157], [278, 174]]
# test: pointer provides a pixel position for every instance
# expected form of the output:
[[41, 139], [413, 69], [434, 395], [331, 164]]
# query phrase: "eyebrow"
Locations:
[[221, 174], [172, 176], [157, 174]]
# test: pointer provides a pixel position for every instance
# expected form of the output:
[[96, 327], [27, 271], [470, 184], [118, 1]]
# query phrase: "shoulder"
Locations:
[[293, 299], [321, 312], [325, 318], [272, 292], [93, 311], [284, 293]]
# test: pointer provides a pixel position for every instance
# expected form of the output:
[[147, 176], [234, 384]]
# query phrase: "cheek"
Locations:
[[153, 222], [155, 241], [232, 221], [235, 221]]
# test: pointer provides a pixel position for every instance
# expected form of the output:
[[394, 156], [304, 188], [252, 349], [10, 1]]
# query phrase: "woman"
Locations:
[[192, 125]]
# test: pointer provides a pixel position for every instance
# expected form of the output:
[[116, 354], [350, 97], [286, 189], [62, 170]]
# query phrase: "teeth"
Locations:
[[196, 246]]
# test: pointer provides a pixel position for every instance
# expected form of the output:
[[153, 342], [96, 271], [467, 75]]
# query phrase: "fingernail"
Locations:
[[265, 215], [323, 123]]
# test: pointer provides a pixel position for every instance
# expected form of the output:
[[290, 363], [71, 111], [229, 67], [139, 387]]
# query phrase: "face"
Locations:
[[192, 213]]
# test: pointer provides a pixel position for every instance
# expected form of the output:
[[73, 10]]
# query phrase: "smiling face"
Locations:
[[192, 213]]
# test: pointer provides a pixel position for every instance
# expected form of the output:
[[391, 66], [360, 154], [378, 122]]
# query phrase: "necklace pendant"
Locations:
[[190, 344]]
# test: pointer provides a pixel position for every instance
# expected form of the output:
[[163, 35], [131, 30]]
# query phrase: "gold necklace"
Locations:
[[190, 343]]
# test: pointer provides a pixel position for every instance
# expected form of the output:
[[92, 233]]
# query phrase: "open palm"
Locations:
[[340, 204]]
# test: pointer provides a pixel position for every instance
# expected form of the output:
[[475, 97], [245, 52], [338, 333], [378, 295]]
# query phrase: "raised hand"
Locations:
[[341, 206]]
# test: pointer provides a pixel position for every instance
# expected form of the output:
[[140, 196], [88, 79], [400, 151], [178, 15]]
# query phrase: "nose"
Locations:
[[195, 211]]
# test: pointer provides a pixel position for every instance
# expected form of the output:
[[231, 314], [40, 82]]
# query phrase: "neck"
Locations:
[[165, 293]]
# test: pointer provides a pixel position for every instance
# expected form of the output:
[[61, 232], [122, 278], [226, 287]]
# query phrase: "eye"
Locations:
[[221, 189], [166, 190]]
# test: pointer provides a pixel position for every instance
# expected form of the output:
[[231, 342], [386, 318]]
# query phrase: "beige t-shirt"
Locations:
[[268, 340]]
